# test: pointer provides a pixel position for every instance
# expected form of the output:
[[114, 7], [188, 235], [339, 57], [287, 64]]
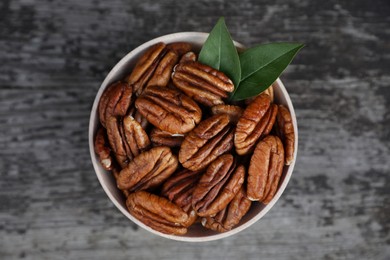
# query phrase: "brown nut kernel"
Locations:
[[180, 48], [159, 137], [217, 186], [230, 216], [162, 74], [114, 130], [145, 67], [102, 149], [136, 140], [115, 101], [179, 188], [188, 57], [234, 112], [148, 170], [138, 117], [265, 169], [286, 132], [256, 121], [202, 83], [211, 138], [169, 110], [157, 212]]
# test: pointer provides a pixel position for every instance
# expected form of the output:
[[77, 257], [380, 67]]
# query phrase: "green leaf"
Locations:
[[261, 66], [220, 53]]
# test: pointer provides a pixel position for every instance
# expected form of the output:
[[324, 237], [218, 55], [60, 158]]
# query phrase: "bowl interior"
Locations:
[[196, 233]]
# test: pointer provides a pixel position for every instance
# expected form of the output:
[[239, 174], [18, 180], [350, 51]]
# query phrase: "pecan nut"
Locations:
[[210, 139], [157, 212], [265, 169], [189, 56], [162, 138], [116, 141], [234, 112], [139, 118], [155, 66], [286, 132], [230, 216], [179, 188], [102, 149], [256, 121], [217, 186], [148, 170], [180, 48], [115, 101], [202, 83], [145, 67], [169, 110], [136, 140]]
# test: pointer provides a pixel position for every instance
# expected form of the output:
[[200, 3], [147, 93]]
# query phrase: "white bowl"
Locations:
[[196, 233]]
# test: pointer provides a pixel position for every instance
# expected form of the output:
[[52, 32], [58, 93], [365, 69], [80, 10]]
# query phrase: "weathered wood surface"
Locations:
[[54, 55]]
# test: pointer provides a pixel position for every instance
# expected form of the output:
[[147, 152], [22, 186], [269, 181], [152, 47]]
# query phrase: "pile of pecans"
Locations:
[[180, 153]]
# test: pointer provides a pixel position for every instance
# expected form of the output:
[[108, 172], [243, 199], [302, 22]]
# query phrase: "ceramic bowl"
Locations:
[[196, 233]]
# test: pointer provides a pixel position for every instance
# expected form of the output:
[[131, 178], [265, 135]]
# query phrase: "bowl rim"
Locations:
[[97, 168]]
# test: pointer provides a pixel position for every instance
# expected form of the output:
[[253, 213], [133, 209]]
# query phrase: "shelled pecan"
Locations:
[[211, 138], [169, 110], [256, 121], [230, 216], [136, 140], [157, 212], [159, 137], [202, 83], [189, 56], [148, 170], [155, 66], [116, 141], [102, 149], [115, 101], [234, 112], [217, 186], [265, 169], [286, 133], [179, 188]]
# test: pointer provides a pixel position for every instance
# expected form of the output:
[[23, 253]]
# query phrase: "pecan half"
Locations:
[[157, 213], [202, 83], [139, 118], [148, 170], [159, 137], [155, 66], [169, 110], [234, 112], [136, 139], [256, 121], [102, 149], [115, 101], [211, 138], [180, 48], [163, 72], [178, 189], [217, 186], [230, 216], [189, 56], [286, 132], [114, 130], [145, 67], [265, 169]]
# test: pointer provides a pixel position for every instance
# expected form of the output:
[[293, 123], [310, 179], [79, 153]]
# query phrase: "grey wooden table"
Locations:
[[53, 56]]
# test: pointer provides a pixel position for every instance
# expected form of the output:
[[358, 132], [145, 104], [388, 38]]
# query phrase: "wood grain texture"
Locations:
[[54, 55]]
